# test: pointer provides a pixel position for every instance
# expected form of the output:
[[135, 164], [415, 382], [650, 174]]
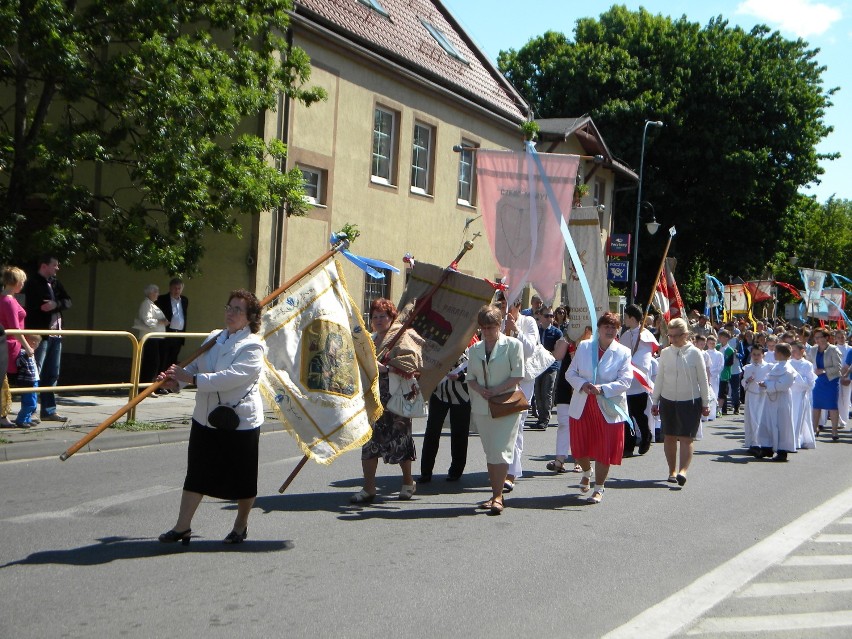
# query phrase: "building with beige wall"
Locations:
[[405, 86]]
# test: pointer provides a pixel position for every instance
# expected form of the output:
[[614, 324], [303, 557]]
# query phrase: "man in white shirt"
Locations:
[[174, 306]]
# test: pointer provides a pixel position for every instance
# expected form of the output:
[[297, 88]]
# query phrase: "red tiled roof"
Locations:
[[402, 38]]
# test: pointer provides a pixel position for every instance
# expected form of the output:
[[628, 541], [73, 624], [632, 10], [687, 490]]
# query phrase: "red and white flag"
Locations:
[[667, 297], [520, 220]]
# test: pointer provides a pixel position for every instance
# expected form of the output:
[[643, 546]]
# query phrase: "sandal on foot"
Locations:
[[497, 506], [486, 505], [407, 491], [362, 497], [508, 486], [586, 480], [557, 466], [672, 479], [597, 496], [577, 469], [171, 536]]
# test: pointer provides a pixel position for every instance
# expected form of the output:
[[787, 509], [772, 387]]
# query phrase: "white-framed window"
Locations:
[[376, 6], [313, 184], [466, 167], [384, 141], [442, 40], [375, 288], [600, 191], [421, 158]]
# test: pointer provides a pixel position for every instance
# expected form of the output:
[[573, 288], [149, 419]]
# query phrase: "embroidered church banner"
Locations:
[[321, 376], [585, 230], [520, 221], [447, 321]]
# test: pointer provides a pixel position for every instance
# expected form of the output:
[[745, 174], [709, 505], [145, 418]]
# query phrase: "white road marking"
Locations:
[[774, 623], [672, 615], [828, 539], [819, 560], [93, 507], [775, 589], [846, 520]]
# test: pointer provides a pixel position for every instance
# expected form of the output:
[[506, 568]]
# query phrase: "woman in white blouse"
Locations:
[[681, 397], [150, 319]]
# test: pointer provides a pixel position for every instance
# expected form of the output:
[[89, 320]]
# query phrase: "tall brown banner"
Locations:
[[447, 321]]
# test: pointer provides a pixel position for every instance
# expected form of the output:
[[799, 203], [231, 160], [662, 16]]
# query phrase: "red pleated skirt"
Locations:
[[594, 437]]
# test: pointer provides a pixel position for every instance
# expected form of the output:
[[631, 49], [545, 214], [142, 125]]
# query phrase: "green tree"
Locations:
[[743, 113], [149, 95]]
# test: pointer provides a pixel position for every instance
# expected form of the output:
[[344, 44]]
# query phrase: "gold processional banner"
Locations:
[[321, 375], [447, 320]]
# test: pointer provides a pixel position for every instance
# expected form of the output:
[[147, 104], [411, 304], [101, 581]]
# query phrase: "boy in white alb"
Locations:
[[716, 362], [776, 431], [802, 388], [753, 374], [771, 343]]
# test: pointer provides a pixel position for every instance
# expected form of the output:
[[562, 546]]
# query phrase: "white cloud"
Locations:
[[801, 17]]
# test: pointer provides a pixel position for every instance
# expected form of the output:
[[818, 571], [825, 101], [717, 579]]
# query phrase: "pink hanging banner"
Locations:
[[521, 223]]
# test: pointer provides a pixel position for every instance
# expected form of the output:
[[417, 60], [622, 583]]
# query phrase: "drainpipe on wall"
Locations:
[[281, 213]]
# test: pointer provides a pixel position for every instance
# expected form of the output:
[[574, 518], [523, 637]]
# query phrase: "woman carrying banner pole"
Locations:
[[222, 458], [392, 439]]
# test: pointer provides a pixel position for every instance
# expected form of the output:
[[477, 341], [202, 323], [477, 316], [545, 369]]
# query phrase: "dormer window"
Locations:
[[442, 39], [376, 6]]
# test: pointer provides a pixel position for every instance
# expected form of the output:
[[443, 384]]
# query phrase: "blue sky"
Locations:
[[824, 24]]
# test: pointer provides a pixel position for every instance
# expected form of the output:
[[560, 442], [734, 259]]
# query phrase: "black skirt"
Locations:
[[680, 419], [222, 464]]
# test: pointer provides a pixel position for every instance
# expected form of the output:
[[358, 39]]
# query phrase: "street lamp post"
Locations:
[[648, 123]]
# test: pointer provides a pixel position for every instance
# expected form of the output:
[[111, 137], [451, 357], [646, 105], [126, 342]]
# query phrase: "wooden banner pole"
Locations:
[[420, 303], [653, 289], [343, 244]]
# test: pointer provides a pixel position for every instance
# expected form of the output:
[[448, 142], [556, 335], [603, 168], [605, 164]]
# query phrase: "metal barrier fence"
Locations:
[[135, 361]]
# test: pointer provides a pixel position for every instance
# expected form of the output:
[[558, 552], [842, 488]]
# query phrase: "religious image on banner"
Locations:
[[446, 321], [736, 298], [814, 281], [521, 223], [321, 374], [585, 230]]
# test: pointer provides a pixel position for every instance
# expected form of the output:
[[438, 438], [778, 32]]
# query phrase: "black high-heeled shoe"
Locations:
[[236, 538], [173, 535]]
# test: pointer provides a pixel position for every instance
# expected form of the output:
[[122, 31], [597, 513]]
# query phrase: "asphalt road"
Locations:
[[80, 556]]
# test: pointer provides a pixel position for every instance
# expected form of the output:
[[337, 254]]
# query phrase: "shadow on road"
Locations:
[[111, 549]]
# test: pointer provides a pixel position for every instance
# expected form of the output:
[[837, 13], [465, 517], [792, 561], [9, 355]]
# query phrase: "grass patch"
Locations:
[[136, 426], [3, 440]]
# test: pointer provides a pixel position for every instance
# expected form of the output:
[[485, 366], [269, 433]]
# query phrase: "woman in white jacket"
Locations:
[[600, 376], [150, 319], [681, 397], [223, 458]]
